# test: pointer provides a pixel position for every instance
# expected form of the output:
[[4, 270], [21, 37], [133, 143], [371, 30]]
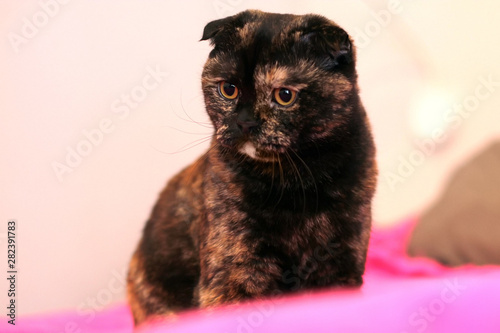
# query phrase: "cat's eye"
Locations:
[[228, 90], [284, 96]]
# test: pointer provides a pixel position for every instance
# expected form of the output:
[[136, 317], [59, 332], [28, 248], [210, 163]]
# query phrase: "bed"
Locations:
[[401, 294]]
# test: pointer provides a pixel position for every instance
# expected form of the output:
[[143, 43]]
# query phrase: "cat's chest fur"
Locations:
[[289, 210]]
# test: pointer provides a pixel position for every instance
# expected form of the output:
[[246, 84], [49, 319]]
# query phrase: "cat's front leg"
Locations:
[[235, 283], [232, 271]]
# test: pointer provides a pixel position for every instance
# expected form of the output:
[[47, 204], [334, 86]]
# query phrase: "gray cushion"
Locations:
[[464, 224]]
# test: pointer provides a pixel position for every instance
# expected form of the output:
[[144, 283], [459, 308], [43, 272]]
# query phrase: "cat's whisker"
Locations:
[[194, 144], [182, 131], [293, 171], [282, 182], [275, 157], [312, 177], [190, 119], [317, 149], [296, 170], [185, 147], [204, 155], [242, 158]]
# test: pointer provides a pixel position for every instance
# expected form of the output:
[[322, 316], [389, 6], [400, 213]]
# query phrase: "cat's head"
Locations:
[[275, 82]]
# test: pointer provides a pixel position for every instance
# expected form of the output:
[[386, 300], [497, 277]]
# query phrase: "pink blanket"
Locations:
[[400, 294]]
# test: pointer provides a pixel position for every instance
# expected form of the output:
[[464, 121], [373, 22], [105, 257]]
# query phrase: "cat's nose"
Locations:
[[246, 120], [246, 126]]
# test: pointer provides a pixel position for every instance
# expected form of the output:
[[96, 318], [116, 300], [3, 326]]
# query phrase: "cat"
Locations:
[[281, 201]]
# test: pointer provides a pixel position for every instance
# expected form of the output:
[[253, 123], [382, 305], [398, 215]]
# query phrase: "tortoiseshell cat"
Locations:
[[282, 199]]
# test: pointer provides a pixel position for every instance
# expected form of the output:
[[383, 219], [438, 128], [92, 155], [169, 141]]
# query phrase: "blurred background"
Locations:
[[100, 105]]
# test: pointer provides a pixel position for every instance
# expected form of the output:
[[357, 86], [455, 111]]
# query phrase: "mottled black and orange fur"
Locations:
[[296, 213]]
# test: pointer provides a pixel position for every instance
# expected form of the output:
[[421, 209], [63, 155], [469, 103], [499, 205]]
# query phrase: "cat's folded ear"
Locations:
[[331, 42], [214, 27], [222, 31]]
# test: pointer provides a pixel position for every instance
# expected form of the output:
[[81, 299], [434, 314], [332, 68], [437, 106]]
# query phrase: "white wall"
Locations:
[[76, 232]]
